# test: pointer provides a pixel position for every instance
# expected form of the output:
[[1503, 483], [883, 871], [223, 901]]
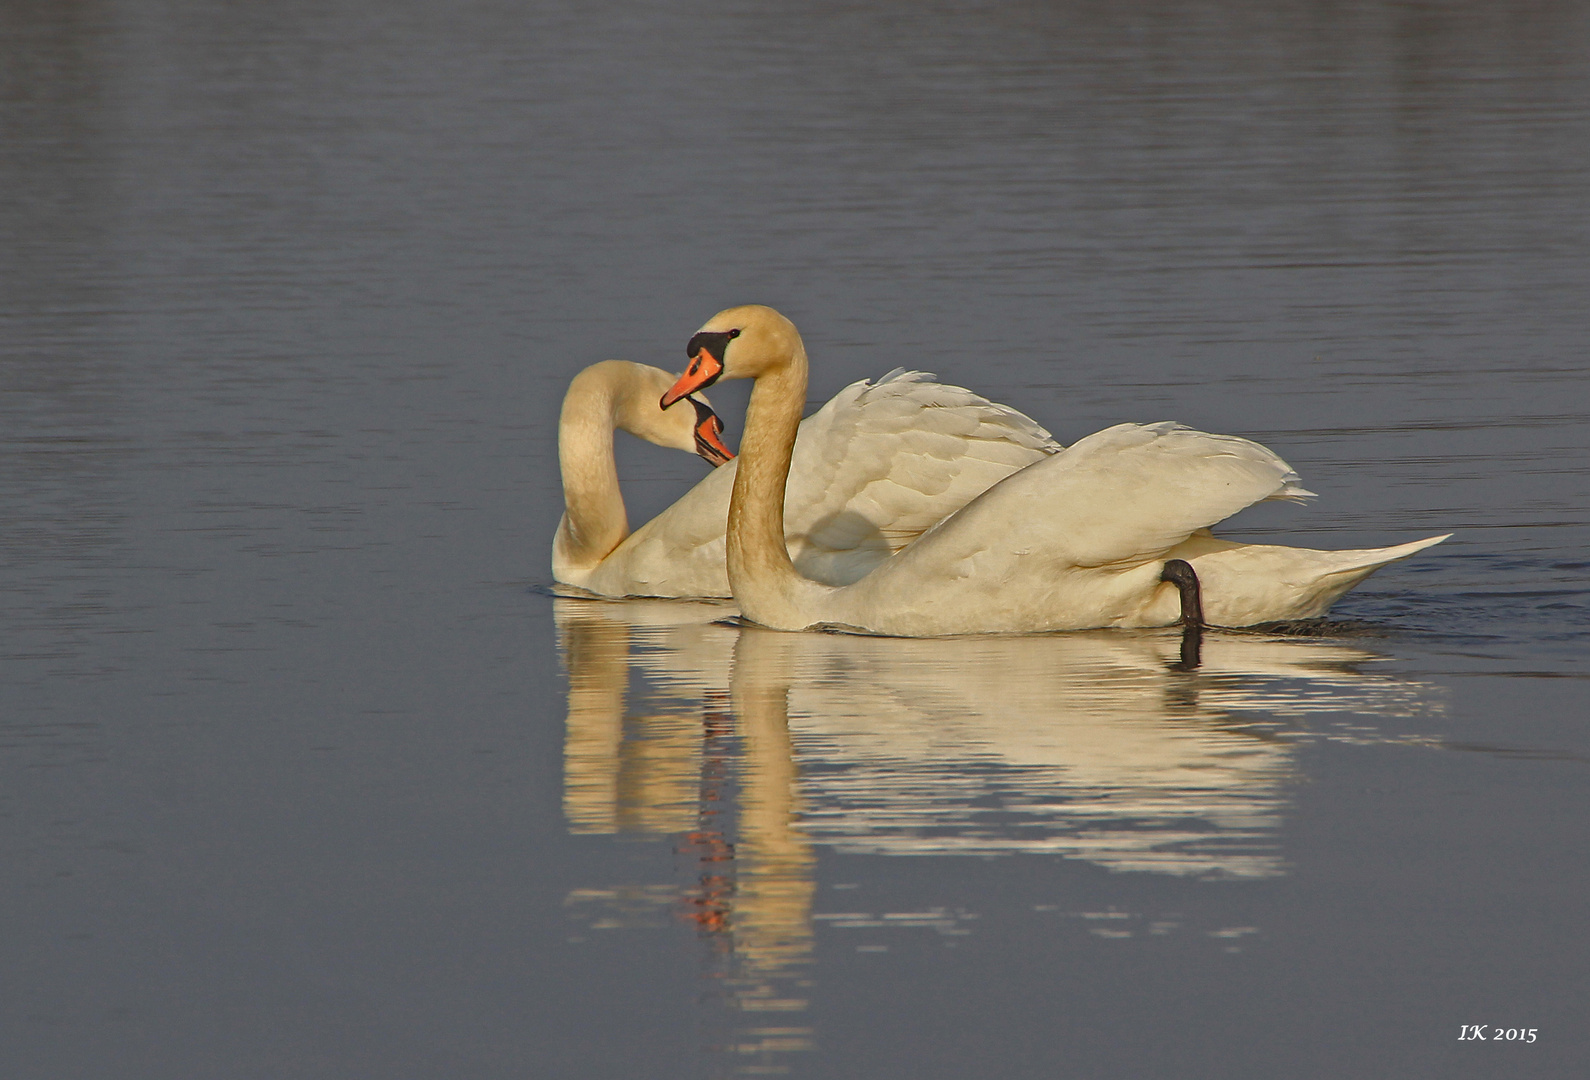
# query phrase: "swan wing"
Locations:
[[1124, 494], [873, 469], [1072, 541], [882, 462]]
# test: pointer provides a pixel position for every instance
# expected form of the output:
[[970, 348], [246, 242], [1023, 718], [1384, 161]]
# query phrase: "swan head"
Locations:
[[624, 395], [702, 435], [761, 340]]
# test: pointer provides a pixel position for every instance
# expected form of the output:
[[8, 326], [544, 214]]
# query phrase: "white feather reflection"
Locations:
[[1084, 745], [756, 747]]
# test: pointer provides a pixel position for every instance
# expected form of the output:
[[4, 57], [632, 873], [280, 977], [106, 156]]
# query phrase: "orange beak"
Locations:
[[709, 435], [703, 371]]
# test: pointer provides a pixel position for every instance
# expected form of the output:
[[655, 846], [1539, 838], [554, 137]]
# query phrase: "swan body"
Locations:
[[873, 469], [1076, 540]]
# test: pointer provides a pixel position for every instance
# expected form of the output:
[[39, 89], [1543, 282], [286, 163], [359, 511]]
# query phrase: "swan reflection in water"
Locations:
[[754, 747]]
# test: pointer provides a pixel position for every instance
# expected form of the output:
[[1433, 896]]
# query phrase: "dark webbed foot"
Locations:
[[1179, 572]]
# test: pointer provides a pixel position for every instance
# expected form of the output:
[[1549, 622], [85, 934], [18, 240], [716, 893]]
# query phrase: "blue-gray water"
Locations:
[[303, 772]]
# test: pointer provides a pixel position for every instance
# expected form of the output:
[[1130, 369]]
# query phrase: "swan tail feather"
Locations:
[[1375, 558], [1246, 584]]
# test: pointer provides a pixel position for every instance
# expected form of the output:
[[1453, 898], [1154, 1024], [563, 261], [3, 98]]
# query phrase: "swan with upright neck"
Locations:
[[1075, 541], [874, 468]]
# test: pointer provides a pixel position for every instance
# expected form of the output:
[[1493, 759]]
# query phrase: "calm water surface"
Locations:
[[304, 772]]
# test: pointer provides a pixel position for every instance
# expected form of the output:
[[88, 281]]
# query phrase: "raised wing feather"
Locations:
[[1124, 494], [883, 462], [873, 469], [1073, 541]]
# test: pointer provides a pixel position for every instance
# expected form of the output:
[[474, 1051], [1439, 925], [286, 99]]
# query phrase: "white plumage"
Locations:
[[874, 468], [1072, 541]]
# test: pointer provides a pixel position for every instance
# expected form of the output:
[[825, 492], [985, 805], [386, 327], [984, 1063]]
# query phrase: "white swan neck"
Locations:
[[594, 519], [762, 577]]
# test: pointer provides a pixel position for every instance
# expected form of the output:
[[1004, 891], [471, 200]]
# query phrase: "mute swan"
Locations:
[[873, 469], [608, 395], [1074, 541]]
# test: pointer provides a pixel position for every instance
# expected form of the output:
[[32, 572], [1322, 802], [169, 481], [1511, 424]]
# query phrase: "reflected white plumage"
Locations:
[[1091, 745], [874, 468], [1074, 541]]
